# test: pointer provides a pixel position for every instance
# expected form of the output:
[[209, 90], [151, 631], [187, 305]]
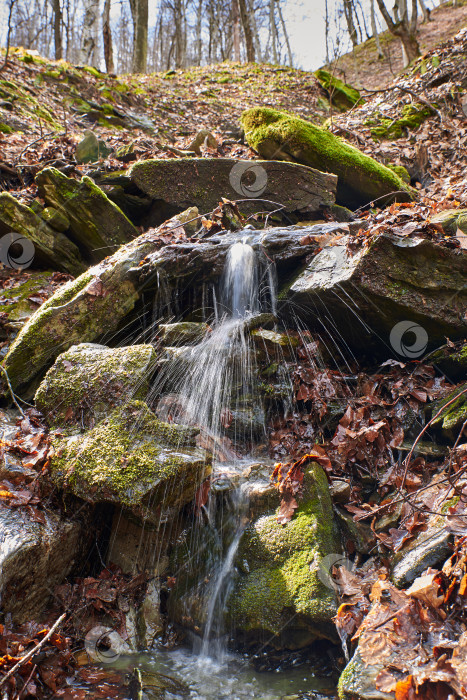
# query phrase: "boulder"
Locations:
[[454, 416], [97, 225], [51, 248], [17, 304], [451, 361], [185, 333], [202, 182], [361, 179], [90, 149], [34, 558], [88, 380], [399, 293], [341, 95], [278, 596], [429, 549], [94, 304], [358, 681], [55, 219], [131, 459], [451, 220]]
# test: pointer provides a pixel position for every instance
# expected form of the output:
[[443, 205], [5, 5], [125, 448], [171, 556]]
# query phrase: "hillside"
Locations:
[[364, 69]]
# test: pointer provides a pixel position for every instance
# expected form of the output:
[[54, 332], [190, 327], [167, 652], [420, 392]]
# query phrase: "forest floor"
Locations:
[[45, 108], [362, 67]]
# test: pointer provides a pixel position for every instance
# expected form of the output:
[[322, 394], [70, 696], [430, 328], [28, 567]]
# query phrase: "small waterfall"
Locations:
[[213, 384]]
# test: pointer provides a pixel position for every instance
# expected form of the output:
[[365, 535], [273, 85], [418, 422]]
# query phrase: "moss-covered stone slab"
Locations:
[[369, 292], [88, 380], [341, 95], [132, 459], [202, 182], [452, 361], [97, 225], [451, 220], [361, 179], [96, 302], [278, 596], [51, 248], [90, 149]]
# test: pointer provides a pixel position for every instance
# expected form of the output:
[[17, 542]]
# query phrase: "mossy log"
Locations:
[[361, 179]]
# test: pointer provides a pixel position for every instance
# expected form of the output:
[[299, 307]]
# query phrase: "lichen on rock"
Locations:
[[131, 458]]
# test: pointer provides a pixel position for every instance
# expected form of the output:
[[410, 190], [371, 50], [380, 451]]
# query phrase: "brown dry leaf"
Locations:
[[426, 589]]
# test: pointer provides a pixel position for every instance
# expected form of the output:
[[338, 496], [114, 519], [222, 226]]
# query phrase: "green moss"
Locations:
[[411, 118], [127, 457], [5, 129], [454, 415], [85, 382], [401, 171], [342, 96], [92, 71], [281, 136], [280, 565]]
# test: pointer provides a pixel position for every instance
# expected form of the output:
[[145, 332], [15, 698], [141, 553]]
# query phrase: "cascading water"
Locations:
[[213, 386]]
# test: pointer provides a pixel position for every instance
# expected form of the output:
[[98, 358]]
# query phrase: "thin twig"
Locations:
[[11, 391], [41, 138], [430, 422], [38, 646]]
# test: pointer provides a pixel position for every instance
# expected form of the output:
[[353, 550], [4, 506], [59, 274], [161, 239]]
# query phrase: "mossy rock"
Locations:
[[451, 220], [361, 179], [358, 681], [384, 128], [56, 219], [96, 223], [278, 595], [88, 380], [452, 361], [454, 415], [183, 333], [402, 172], [90, 148], [51, 248], [133, 459], [341, 95]]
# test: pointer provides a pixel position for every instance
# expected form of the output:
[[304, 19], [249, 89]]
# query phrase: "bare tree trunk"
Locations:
[[403, 29], [88, 51], [348, 12], [326, 26], [107, 38], [57, 30], [273, 30], [254, 29], [236, 31], [375, 30], [199, 42], [286, 34], [7, 48], [139, 13], [246, 24]]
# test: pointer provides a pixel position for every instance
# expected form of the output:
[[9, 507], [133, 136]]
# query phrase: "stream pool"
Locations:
[[233, 678]]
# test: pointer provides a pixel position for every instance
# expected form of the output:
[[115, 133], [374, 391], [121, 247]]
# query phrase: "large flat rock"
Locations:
[[374, 296], [185, 182]]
